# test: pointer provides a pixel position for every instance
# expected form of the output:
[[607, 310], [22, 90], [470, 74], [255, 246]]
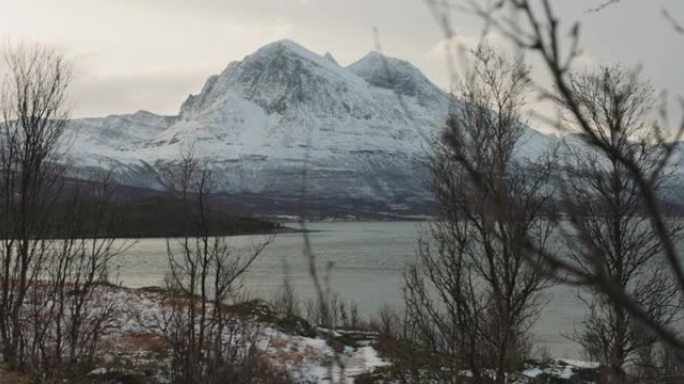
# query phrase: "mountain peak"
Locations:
[[328, 56], [286, 78], [284, 44], [289, 48], [373, 55], [394, 74], [283, 76]]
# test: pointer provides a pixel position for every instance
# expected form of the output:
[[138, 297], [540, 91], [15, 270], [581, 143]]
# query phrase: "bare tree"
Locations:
[[69, 310], [286, 301], [471, 296], [55, 247], [208, 344], [33, 113], [612, 236], [533, 26]]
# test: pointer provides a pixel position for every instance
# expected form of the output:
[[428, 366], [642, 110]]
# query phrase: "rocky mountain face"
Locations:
[[283, 119]]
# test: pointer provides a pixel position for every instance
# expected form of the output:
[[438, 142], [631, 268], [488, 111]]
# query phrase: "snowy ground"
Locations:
[[132, 342], [562, 370], [132, 346]]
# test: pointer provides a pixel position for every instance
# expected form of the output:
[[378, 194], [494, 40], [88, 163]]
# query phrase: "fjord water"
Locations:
[[366, 260]]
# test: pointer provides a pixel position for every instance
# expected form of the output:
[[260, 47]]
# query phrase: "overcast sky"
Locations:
[[150, 54]]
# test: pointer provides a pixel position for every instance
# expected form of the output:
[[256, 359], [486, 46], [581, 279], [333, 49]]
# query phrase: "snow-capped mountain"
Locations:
[[361, 131]]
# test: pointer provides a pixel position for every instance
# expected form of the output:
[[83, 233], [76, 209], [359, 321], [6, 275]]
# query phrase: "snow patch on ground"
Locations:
[[564, 369], [131, 337]]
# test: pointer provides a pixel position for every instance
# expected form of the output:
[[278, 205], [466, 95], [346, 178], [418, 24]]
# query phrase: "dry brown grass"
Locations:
[[284, 356], [138, 342], [144, 342]]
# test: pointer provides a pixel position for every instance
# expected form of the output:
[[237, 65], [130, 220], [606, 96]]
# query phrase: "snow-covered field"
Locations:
[[132, 345]]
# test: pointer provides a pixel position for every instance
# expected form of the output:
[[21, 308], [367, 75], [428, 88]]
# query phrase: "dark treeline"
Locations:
[[140, 213], [158, 217]]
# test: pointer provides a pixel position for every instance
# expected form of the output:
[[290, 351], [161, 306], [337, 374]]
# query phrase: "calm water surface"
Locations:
[[367, 258]]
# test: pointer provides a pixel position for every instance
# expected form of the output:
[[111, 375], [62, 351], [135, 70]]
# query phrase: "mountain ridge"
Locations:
[[363, 130]]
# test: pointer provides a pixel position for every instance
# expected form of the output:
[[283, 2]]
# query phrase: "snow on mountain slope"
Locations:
[[399, 76], [363, 128], [115, 134], [283, 96]]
